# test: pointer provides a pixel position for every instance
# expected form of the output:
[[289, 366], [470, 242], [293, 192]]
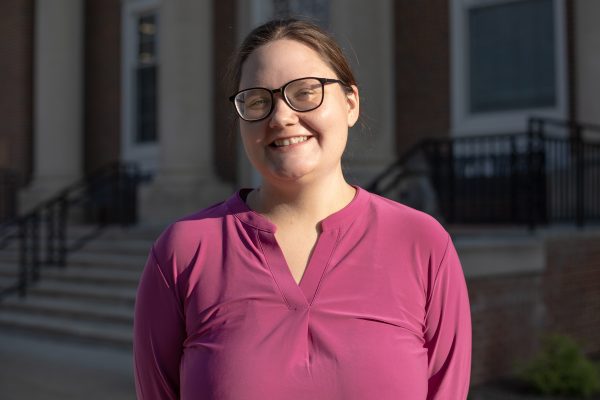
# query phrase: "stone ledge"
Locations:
[[519, 252]]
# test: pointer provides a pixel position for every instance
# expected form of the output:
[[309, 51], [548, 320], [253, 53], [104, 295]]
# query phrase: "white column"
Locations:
[[365, 30], [587, 35], [58, 100], [185, 181]]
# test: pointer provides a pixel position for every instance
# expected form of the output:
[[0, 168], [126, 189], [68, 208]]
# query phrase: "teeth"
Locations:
[[287, 142]]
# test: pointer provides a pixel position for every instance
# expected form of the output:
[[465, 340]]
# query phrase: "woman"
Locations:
[[306, 287]]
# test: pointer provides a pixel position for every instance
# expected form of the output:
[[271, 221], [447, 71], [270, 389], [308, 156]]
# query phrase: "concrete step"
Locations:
[[89, 257], [124, 245], [8, 269], [132, 246], [66, 328], [92, 275], [84, 291], [108, 260], [124, 248], [110, 232], [137, 232], [84, 274], [66, 308], [92, 299]]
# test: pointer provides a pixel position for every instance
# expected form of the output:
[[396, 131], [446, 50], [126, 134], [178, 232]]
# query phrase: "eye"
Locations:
[[257, 100], [304, 93]]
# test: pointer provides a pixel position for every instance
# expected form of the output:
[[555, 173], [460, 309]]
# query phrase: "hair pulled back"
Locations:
[[300, 31]]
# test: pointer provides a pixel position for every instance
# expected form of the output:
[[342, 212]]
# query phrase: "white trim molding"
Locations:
[[463, 122], [145, 154]]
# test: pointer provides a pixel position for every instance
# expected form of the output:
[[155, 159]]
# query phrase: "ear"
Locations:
[[353, 101]]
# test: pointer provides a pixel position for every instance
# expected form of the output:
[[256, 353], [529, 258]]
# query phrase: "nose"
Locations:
[[282, 114]]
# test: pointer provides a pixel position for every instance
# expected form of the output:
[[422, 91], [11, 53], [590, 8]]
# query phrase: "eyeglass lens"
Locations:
[[300, 95]]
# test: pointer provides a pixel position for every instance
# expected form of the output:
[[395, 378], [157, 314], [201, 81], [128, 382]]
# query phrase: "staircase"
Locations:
[[91, 300]]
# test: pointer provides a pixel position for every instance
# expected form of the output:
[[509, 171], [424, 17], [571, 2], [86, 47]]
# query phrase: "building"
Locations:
[[91, 82]]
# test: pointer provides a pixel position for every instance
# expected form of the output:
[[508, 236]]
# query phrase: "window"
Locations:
[[512, 56], [145, 80], [139, 71], [508, 63]]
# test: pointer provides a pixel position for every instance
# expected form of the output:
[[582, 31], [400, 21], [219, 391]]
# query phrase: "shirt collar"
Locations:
[[341, 219]]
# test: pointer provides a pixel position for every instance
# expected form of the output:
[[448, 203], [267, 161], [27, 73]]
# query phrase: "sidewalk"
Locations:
[[33, 368]]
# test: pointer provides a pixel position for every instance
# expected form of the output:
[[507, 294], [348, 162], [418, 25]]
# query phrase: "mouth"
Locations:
[[289, 141]]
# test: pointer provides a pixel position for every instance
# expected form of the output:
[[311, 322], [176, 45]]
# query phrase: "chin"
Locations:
[[292, 172], [289, 175]]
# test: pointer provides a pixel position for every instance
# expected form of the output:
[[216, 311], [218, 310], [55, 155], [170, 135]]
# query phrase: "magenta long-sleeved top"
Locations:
[[380, 313]]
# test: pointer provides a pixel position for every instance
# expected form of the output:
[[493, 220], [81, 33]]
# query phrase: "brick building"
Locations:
[[91, 82]]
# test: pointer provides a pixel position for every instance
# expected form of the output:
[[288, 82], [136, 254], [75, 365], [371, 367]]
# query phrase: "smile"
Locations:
[[289, 141]]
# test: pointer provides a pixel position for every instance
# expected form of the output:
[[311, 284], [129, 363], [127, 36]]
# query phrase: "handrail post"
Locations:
[[512, 176], [62, 231], [579, 172], [22, 235], [536, 128], [50, 234], [120, 195], [452, 180], [35, 248]]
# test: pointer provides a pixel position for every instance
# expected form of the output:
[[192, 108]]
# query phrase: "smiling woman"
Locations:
[[305, 287]]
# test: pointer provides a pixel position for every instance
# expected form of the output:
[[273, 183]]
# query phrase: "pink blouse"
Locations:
[[381, 312]]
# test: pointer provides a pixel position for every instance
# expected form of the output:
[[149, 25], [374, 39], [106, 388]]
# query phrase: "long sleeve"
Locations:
[[448, 331], [159, 332]]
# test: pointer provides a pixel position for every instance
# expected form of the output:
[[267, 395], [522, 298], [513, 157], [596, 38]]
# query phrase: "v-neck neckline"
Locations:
[[302, 294], [298, 295]]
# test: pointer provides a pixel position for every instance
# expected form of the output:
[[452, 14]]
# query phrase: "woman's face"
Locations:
[[325, 128]]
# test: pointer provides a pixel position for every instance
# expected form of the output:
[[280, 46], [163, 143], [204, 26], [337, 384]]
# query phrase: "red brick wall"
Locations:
[[422, 64], [102, 66], [572, 290], [16, 77], [505, 311], [510, 312]]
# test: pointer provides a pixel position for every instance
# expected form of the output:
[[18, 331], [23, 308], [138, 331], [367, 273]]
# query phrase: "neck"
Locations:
[[296, 203]]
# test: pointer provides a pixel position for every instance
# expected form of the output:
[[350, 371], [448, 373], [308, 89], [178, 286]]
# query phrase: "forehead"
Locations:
[[281, 61]]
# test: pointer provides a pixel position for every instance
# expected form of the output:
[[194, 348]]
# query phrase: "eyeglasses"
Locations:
[[302, 95]]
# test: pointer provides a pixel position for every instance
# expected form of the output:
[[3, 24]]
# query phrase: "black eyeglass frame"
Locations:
[[323, 81]]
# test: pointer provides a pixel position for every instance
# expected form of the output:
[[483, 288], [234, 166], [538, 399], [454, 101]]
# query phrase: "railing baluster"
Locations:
[[62, 231], [579, 169], [22, 235], [50, 234], [35, 249]]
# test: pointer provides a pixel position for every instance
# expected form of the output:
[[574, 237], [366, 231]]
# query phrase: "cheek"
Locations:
[[332, 124], [328, 118], [250, 137]]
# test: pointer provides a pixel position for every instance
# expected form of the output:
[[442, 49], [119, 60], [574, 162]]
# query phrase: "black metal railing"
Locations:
[[8, 195], [107, 196], [572, 169], [549, 174]]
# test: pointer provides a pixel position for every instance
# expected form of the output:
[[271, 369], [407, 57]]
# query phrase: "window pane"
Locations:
[[512, 56], [146, 104], [145, 80], [147, 39]]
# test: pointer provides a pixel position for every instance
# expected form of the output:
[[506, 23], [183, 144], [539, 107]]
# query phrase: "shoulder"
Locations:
[[403, 221], [180, 242]]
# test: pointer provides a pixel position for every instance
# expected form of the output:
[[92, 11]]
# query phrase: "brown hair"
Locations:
[[301, 31]]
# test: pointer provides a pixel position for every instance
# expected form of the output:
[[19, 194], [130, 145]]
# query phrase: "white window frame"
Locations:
[[145, 154], [464, 122]]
